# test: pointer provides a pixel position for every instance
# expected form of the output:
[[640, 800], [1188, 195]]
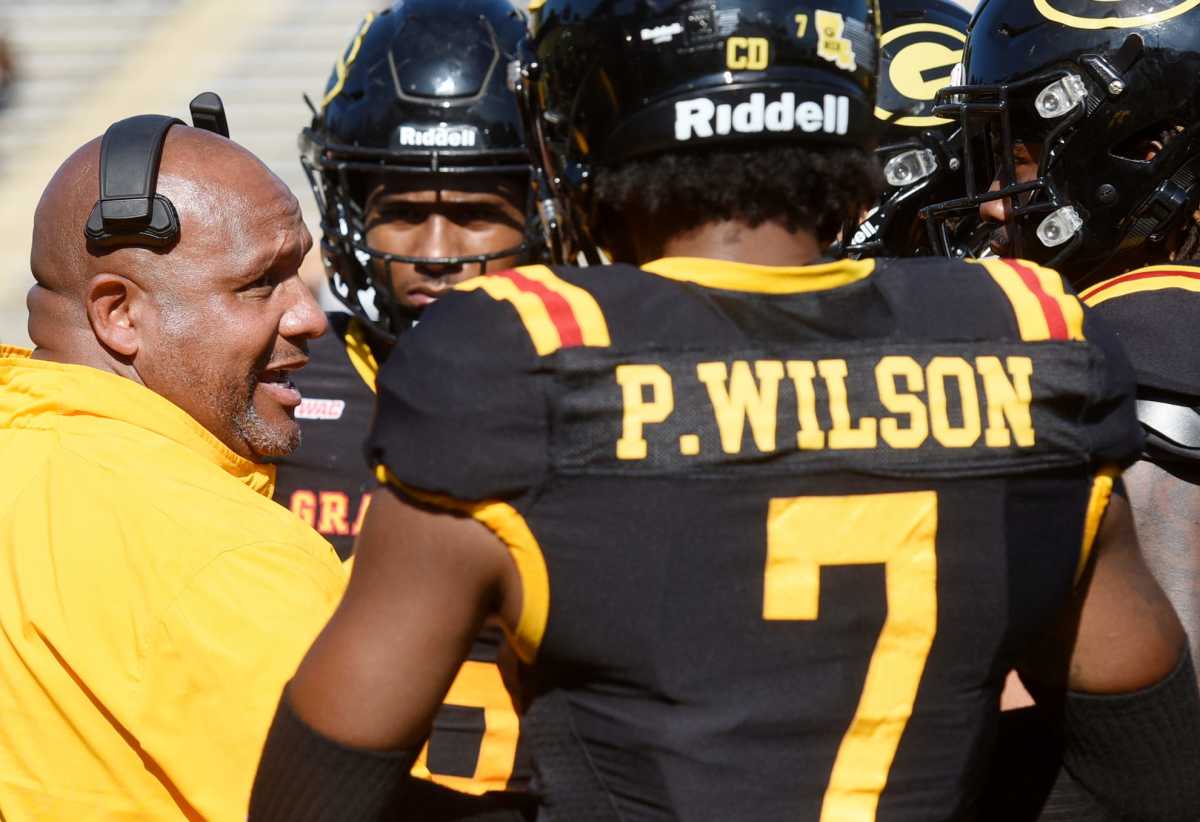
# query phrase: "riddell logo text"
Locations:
[[702, 118], [439, 136]]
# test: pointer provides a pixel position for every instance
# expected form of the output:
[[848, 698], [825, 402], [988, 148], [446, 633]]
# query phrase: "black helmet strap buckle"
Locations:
[[130, 212], [1171, 203]]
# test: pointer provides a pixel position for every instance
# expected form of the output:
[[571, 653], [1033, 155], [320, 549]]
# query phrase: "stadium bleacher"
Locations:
[[84, 63]]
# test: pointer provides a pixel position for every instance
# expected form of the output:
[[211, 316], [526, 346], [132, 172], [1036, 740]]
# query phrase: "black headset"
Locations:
[[130, 212]]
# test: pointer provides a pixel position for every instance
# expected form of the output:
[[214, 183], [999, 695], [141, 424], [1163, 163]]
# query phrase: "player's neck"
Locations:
[[765, 244]]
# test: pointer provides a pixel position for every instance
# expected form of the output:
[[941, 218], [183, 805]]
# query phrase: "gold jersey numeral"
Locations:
[[898, 531]]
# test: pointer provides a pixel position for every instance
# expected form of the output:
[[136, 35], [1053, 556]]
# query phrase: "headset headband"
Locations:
[[130, 212]]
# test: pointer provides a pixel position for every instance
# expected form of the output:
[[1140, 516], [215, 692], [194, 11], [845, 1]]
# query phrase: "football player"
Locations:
[[1085, 120], [768, 530], [417, 160], [1100, 176], [920, 46]]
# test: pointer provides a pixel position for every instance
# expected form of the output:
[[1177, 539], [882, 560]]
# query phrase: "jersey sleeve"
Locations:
[[1151, 312], [462, 409]]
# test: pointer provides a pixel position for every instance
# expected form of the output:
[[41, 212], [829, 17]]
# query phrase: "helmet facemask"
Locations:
[[923, 169], [920, 154], [1040, 222], [1109, 190], [561, 195], [358, 271]]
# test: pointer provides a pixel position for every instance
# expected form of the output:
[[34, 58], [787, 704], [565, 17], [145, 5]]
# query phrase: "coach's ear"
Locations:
[[116, 309]]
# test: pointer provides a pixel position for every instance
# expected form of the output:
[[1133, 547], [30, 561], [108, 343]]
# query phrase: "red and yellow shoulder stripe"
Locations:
[[556, 313], [1154, 278], [1043, 308]]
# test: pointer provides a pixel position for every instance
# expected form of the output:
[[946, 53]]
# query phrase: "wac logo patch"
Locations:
[[315, 409], [1113, 14], [921, 58]]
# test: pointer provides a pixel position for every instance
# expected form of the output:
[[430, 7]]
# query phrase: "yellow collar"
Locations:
[[761, 279], [360, 353], [33, 391]]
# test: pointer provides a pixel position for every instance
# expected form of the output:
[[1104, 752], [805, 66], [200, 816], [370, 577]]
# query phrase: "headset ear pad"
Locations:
[[129, 212], [161, 231]]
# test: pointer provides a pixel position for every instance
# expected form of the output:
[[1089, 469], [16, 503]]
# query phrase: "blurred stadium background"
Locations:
[[68, 68]]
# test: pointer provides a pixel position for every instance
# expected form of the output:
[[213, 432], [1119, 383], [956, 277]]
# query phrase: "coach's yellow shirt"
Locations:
[[153, 601]]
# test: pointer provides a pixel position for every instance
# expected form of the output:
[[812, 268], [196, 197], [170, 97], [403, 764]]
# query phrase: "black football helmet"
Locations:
[[610, 80], [421, 89], [1090, 84], [922, 42]]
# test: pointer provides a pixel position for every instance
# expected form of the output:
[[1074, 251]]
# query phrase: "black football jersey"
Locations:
[[474, 744], [326, 482], [781, 532]]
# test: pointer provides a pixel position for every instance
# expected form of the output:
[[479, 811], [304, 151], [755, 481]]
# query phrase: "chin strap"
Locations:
[[1170, 205]]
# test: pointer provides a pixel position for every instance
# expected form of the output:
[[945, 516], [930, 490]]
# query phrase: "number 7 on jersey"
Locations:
[[898, 531]]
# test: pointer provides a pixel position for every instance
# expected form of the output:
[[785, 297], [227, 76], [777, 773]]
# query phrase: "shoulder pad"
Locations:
[[1172, 431], [556, 313], [1155, 312], [1043, 307], [988, 299], [1184, 276]]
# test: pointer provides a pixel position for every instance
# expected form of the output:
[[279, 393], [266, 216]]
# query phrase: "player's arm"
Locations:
[[1119, 665], [354, 718], [1165, 505]]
